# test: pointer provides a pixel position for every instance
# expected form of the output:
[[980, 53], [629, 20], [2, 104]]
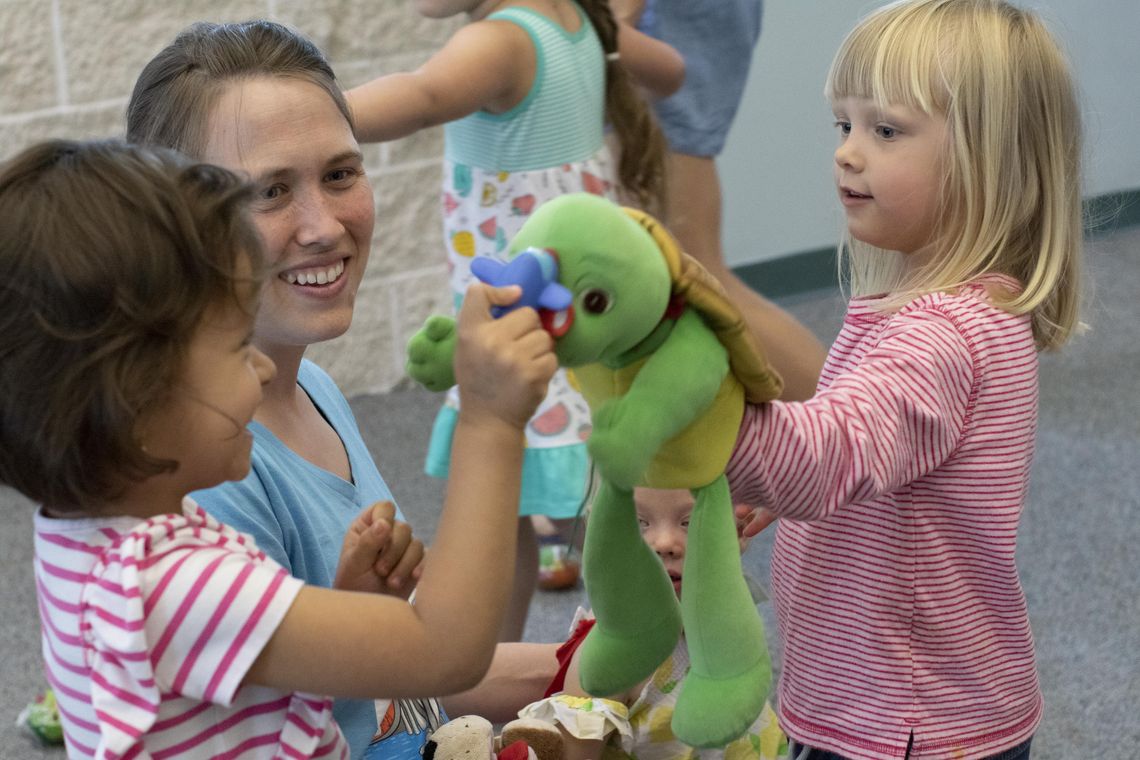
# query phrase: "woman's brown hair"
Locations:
[[641, 167], [175, 94], [110, 254]]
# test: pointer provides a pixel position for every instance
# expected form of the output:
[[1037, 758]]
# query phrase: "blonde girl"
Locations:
[[958, 167]]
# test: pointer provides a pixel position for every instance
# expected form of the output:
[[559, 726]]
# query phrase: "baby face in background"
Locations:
[[663, 515]]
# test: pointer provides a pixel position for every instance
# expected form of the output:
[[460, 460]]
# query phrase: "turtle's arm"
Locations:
[[674, 387]]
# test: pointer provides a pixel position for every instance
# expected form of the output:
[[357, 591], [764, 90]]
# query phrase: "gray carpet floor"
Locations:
[[1078, 551]]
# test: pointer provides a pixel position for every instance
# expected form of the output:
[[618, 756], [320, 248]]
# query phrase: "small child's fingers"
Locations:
[[363, 545], [399, 537], [370, 530], [363, 542], [752, 520], [479, 299], [524, 326], [410, 559], [504, 296], [381, 510]]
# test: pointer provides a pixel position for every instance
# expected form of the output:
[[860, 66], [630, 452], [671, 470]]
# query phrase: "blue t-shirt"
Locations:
[[298, 513]]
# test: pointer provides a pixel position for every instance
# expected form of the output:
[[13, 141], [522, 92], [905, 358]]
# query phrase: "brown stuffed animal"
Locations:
[[543, 739]]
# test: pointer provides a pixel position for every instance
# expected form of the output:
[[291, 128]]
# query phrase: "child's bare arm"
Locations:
[[367, 645], [655, 65], [486, 65]]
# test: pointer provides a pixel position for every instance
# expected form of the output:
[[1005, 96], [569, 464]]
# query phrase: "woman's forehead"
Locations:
[[267, 123]]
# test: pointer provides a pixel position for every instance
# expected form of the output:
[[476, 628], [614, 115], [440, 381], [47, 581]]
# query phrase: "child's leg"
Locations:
[[633, 600], [526, 575], [728, 681]]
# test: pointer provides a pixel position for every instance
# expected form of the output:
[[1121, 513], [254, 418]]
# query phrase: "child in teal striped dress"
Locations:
[[526, 90]]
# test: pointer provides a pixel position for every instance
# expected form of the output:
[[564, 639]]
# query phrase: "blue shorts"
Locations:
[[716, 39]]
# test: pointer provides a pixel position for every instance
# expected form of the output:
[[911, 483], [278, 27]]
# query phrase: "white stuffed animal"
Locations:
[[470, 737]]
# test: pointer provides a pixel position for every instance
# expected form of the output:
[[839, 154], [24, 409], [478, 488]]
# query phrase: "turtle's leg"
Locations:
[[730, 672], [638, 616]]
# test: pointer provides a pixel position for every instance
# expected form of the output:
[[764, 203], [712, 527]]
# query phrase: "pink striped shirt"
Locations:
[[148, 629], [901, 484]]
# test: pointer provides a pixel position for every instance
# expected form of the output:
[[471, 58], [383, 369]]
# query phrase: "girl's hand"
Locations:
[[379, 554], [502, 366], [750, 521]]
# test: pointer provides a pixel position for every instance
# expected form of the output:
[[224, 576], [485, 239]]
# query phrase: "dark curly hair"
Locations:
[[110, 254]]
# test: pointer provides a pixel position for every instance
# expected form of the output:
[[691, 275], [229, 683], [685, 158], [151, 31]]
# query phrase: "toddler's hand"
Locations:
[[502, 365], [750, 521], [379, 554]]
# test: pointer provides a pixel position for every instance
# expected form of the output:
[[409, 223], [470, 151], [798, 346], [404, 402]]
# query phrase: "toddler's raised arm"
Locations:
[[366, 645]]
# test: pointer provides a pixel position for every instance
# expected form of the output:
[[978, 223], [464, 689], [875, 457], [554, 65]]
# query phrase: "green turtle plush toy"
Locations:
[[666, 364]]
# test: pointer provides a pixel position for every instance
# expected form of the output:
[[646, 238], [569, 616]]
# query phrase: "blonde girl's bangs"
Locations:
[[895, 57]]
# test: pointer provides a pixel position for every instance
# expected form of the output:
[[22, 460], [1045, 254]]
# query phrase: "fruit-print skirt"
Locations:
[[482, 211]]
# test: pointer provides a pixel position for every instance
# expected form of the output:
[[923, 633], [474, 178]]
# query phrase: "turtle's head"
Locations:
[[612, 266]]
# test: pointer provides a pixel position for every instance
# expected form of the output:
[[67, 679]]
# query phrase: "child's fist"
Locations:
[[380, 555]]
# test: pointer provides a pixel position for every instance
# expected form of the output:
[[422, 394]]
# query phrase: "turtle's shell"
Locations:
[[703, 292]]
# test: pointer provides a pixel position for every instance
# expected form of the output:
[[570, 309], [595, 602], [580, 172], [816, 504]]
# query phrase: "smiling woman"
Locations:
[[314, 208], [261, 100]]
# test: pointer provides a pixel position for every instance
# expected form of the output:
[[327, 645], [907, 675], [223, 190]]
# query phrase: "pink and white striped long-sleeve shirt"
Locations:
[[148, 629], [901, 484]]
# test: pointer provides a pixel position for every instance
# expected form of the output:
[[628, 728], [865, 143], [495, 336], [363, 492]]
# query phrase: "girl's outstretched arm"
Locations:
[[486, 65], [653, 64], [365, 645]]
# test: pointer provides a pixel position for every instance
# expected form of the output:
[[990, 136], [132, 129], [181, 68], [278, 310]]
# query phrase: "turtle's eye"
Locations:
[[596, 301]]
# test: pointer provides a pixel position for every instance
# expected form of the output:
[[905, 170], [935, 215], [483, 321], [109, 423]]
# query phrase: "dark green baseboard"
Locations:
[[795, 273], [816, 269], [1107, 213]]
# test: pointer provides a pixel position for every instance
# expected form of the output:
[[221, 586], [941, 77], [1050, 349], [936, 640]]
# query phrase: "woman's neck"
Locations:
[[281, 392]]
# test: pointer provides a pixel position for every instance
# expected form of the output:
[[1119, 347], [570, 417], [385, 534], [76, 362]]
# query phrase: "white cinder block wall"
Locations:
[[67, 68]]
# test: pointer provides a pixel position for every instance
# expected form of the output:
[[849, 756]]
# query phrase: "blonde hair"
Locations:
[[1011, 197]]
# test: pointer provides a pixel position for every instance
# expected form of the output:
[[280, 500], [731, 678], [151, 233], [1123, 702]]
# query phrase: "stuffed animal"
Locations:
[[470, 737], [666, 364]]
